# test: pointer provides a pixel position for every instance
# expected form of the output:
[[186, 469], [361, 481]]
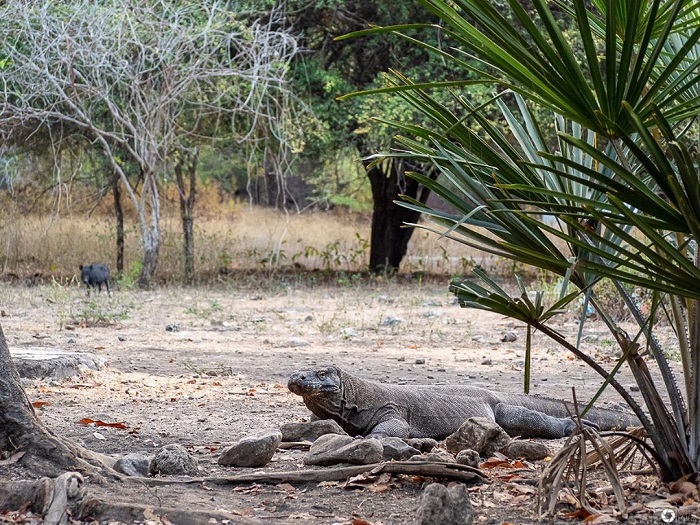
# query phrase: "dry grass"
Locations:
[[229, 235]]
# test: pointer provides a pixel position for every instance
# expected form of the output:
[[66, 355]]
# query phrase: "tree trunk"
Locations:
[[389, 237], [187, 192], [119, 215], [272, 185], [150, 231], [25, 438]]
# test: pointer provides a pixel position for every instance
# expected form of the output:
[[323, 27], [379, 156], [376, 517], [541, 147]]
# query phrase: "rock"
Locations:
[[478, 433], [391, 321], [527, 450], [509, 337], [439, 456], [420, 361], [422, 444], [487, 362], [173, 460], [332, 449], [468, 457], [310, 431], [438, 504], [297, 342], [133, 465], [348, 333], [174, 327], [37, 362], [397, 449], [252, 451]]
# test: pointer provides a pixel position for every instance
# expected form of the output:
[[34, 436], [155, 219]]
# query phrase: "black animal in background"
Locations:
[[94, 276]]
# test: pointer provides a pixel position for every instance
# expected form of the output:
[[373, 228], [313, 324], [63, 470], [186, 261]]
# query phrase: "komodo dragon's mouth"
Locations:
[[309, 382]]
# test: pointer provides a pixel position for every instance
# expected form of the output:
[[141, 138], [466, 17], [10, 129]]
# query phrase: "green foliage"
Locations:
[[205, 312], [130, 277], [98, 312], [611, 197], [337, 257]]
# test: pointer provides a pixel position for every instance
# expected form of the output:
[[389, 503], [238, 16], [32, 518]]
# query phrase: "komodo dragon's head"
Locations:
[[321, 389], [318, 382]]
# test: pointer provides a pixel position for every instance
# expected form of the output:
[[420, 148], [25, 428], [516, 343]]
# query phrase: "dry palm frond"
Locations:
[[586, 449]]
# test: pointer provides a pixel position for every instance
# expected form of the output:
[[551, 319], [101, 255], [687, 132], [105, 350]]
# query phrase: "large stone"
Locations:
[[397, 449], [468, 457], [443, 506], [133, 465], [173, 460], [527, 450], [436, 456], [252, 451], [422, 444], [332, 449], [310, 431], [477, 433]]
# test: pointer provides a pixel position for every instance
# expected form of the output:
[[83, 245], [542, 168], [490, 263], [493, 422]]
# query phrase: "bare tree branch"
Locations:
[[136, 77]]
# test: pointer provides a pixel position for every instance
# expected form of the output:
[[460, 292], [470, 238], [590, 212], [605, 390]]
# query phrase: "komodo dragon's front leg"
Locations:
[[521, 421], [394, 427]]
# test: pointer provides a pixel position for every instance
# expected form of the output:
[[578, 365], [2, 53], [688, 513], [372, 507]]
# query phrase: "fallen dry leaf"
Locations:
[[578, 514], [40, 404], [492, 463], [14, 458], [96, 422], [596, 519], [328, 484], [686, 488], [658, 504], [359, 521], [687, 509]]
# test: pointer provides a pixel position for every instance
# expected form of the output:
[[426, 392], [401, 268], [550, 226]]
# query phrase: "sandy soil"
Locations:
[[221, 375]]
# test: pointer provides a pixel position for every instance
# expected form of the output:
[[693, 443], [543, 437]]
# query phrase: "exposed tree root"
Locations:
[[52, 455], [65, 498]]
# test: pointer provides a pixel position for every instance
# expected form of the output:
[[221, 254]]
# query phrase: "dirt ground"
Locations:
[[205, 366]]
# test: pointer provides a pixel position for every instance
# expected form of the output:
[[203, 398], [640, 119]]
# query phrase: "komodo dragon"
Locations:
[[366, 408]]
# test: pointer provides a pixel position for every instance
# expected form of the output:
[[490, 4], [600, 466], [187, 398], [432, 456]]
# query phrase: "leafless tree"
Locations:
[[136, 78]]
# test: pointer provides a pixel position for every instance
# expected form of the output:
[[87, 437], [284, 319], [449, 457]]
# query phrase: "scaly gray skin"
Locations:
[[366, 408]]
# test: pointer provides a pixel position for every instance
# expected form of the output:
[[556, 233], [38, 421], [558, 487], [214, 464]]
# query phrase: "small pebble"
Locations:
[[420, 361]]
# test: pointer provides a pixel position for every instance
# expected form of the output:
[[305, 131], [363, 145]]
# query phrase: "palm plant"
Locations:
[[615, 196]]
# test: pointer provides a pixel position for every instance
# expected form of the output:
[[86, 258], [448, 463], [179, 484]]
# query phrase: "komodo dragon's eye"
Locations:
[[321, 375]]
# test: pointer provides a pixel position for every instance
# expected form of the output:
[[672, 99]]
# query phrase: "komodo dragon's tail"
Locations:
[[604, 418]]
